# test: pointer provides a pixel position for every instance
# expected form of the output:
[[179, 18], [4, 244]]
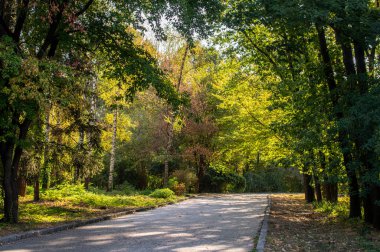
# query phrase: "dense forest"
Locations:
[[196, 96]]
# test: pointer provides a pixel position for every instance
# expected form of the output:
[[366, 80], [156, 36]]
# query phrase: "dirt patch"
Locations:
[[294, 226]]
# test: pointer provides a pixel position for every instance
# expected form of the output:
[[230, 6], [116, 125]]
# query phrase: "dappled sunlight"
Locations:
[[212, 223]]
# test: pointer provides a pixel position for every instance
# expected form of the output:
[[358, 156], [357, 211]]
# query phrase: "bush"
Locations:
[[172, 182], [339, 209], [64, 190], [154, 182], [162, 193], [179, 189], [186, 177], [126, 188]]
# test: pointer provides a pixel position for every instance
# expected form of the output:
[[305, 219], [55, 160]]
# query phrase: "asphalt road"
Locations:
[[206, 223]]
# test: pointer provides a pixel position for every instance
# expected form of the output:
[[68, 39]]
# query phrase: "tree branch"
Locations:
[[258, 48], [21, 20], [85, 8]]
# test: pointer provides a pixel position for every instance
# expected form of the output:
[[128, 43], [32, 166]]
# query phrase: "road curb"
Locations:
[[264, 228], [35, 233]]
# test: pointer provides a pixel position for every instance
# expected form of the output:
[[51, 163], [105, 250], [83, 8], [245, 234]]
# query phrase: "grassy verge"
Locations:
[[69, 203], [296, 226]]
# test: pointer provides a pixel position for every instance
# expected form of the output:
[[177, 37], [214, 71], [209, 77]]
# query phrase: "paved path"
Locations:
[[207, 223]]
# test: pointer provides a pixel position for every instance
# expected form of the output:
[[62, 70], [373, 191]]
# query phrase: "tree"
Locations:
[[35, 60]]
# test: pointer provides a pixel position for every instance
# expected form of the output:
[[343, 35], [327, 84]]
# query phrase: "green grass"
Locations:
[[72, 202], [335, 210]]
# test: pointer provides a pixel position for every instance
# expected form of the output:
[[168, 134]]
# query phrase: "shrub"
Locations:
[[172, 182], [154, 182], [126, 188], [179, 189], [186, 177], [162, 193]]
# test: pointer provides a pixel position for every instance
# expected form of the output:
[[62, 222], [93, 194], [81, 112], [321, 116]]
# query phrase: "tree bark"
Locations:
[[113, 151], [45, 166], [308, 189], [201, 172], [11, 159], [318, 190], [36, 187], [21, 186]]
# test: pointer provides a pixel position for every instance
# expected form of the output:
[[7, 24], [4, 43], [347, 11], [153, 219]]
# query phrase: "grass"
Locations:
[[338, 210], [297, 226], [68, 203]]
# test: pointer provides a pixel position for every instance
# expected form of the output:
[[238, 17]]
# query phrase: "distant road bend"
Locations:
[[211, 222]]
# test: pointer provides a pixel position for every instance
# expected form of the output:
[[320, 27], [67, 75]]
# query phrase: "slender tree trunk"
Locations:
[[170, 130], [318, 190], [166, 171], [86, 183], [201, 172], [113, 151], [45, 166], [22, 178], [90, 134], [36, 187], [79, 165], [308, 189], [330, 188]]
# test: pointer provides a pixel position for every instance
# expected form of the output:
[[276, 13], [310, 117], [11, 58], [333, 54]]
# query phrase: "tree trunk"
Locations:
[[318, 190], [79, 163], [201, 172], [45, 166], [21, 186], [330, 188], [330, 191], [170, 130], [166, 172], [113, 151], [36, 187], [11, 159], [376, 207], [86, 183], [355, 209], [309, 190]]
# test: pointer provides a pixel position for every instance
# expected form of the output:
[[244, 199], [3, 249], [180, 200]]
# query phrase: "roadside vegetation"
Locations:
[[297, 226], [67, 203]]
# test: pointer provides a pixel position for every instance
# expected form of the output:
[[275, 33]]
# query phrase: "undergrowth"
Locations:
[[72, 202], [339, 209]]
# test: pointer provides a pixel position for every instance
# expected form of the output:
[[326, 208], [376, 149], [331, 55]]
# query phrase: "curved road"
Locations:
[[207, 223]]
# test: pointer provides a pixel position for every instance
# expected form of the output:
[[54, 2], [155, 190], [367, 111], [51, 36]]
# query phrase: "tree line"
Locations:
[[281, 88]]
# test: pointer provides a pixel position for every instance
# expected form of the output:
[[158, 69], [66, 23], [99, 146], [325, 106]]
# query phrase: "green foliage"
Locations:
[[154, 182], [172, 182], [218, 181], [164, 193], [273, 180], [125, 188], [339, 209], [76, 194], [186, 177]]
